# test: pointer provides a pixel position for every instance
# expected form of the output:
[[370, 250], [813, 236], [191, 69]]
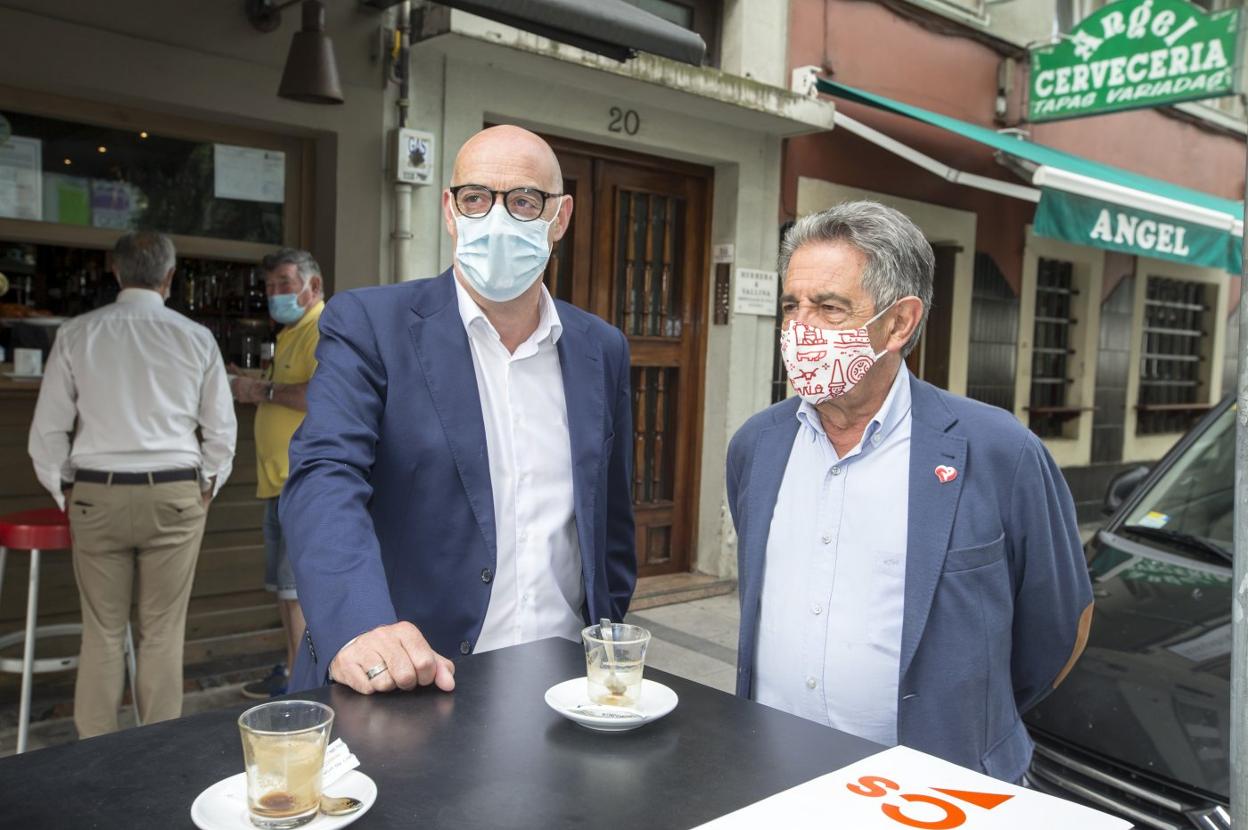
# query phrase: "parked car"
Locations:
[[1141, 726]]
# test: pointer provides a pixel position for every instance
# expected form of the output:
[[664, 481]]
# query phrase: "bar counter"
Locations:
[[16, 388]]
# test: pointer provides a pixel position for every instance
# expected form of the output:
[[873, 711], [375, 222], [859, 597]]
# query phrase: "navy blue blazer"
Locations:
[[388, 513], [995, 574]]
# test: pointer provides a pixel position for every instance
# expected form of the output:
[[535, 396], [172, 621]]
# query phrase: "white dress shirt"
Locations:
[[829, 637], [537, 589], [139, 379]]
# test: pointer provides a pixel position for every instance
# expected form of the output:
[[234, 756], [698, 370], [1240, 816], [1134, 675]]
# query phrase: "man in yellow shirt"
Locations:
[[293, 282]]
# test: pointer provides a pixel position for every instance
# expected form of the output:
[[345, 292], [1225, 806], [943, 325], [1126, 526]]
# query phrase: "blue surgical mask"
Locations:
[[285, 308], [501, 256]]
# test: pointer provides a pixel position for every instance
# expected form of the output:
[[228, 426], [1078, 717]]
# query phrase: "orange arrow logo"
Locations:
[[985, 800]]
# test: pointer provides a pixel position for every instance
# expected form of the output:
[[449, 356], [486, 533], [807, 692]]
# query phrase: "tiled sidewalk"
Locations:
[[697, 640]]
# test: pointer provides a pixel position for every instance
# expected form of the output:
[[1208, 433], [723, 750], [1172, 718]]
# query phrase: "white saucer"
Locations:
[[223, 806], [656, 700]]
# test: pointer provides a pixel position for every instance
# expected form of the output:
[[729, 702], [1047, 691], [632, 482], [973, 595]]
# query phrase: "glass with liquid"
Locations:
[[284, 752], [614, 661]]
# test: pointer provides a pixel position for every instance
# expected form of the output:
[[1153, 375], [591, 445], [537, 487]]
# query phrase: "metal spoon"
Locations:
[[614, 684], [339, 805], [606, 712]]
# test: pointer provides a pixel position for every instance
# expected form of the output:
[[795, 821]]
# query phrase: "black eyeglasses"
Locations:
[[524, 204]]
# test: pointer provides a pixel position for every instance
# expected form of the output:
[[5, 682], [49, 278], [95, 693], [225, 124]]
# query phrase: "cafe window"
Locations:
[[75, 175], [1174, 359], [701, 16], [68, 173]]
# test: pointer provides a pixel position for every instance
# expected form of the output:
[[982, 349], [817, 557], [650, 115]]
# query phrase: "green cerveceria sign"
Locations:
[[1134, 54]]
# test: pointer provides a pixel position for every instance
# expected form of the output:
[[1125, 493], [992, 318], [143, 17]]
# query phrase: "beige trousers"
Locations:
[[133, 542]]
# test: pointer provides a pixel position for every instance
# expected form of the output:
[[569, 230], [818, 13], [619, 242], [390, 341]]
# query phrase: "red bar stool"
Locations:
[[35, 531]]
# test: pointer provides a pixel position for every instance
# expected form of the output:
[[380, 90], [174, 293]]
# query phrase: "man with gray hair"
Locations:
[[910, 566], [295, 288], [138, 380]]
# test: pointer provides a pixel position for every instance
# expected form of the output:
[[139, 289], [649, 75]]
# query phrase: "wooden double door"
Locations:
[[636, 255]]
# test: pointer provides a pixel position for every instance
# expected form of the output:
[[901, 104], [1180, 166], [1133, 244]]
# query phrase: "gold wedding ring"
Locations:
[[375, 670]]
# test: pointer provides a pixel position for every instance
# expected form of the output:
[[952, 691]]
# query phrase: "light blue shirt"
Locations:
[[829, 637]]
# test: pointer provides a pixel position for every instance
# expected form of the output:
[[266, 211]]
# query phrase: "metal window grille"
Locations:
[[994, 336], [1049, 410], [648, 297], [1172, 387]]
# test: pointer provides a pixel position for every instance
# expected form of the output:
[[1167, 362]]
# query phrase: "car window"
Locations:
[[1195, 497]]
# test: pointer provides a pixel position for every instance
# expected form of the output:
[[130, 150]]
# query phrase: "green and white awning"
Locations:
[[1082, 201]]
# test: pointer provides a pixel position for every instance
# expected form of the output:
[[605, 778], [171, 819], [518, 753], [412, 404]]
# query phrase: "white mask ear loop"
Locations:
[[877, 316]]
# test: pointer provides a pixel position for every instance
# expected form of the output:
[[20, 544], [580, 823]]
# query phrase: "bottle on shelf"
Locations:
[[238, 293], [191, 300], [257, 303], [210, 289]]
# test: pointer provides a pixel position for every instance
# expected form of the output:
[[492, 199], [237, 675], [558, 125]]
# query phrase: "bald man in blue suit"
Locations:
[[462, 480]]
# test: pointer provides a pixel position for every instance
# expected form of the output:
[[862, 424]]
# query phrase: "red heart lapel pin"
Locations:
[[946, 473]]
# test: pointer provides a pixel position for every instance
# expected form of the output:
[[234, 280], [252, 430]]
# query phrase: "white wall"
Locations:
[[1023, 22], [754, 40]]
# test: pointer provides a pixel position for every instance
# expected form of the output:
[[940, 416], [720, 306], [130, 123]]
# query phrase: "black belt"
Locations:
[[154, 477]]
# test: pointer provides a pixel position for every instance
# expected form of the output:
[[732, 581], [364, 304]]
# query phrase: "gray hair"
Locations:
[[304, 264], [900, 261], [143, 259]]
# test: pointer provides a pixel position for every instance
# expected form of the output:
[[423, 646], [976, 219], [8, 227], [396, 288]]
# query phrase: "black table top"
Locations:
[[491, 754]]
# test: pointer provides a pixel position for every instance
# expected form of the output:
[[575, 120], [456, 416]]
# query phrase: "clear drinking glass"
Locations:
[[284, 751], [614, 661]]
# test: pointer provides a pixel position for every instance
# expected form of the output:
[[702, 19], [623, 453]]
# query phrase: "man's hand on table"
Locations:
[[407, 657]]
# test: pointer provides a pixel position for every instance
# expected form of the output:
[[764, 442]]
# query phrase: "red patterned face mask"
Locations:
[[827, 363]]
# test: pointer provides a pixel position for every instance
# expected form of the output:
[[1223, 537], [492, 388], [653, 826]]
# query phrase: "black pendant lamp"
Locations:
[[311, 73]]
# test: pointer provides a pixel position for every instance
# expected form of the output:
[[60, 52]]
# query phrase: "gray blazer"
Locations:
[[995, 575]]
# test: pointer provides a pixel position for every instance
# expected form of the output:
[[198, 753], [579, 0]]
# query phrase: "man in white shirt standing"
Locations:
[[139, 380]]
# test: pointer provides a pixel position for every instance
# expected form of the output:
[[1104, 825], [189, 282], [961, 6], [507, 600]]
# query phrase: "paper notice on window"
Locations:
[[902, 788], [114, 205], [66, 199], [21, 169], [248, 173]]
